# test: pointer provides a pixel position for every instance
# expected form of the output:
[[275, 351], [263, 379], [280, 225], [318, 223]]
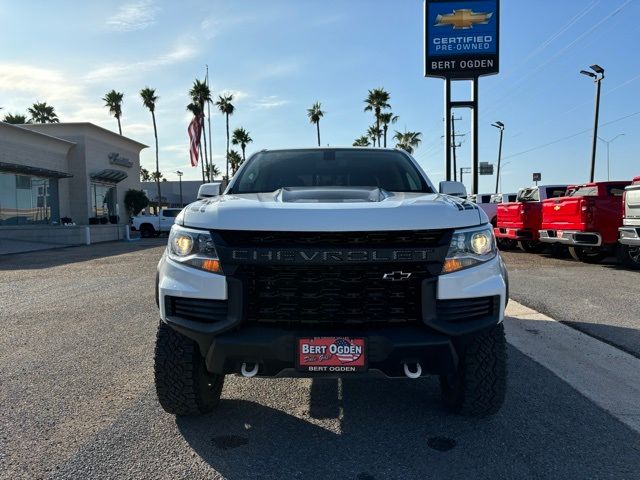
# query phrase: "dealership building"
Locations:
[[61, 173]]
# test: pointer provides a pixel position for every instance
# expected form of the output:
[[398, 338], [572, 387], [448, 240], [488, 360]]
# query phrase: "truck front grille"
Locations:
[[333, 294]]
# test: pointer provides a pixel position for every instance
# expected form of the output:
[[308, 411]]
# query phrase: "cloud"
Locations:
[[238, 95], [272, 101], [282, 69], [110, 71], [133, 16]]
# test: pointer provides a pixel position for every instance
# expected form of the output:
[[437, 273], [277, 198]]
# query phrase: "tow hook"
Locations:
[[244, 370], [415, 374]]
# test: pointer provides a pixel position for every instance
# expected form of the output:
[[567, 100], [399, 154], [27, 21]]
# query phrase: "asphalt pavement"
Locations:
[[602, 300], [77, 398]]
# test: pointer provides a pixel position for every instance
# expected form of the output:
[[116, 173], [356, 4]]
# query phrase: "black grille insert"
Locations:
[[196, 309], [333, 295], [411, 238], [467, 309]]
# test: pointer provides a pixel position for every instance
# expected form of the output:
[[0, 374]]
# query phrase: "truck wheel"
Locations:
[[530, 246], [506, 244], [629, 256], [183, 385], [478, 388], [146, 231], [588, 254]]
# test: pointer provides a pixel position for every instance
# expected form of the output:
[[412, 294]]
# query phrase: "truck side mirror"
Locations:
[[208, 190], [455, 189]]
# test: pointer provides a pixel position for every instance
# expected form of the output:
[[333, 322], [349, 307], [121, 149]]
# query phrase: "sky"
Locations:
[[278, 57]]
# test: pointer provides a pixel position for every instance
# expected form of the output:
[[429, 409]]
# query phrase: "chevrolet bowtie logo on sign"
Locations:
[[463, 19]]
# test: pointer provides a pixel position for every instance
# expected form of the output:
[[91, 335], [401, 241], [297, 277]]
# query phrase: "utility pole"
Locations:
[[598, 76], [455, 145], [179, 173], [500, 126], [609, 143]]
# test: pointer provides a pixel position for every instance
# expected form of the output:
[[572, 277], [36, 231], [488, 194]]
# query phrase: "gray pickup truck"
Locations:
[[629, 251]]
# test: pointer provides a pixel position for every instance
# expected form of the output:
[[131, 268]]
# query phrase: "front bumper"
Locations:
[[630, 236], [571, 237], [515, 233], [230, 341]]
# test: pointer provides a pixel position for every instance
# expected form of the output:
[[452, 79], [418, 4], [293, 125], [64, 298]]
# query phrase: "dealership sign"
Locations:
[[461, 38]]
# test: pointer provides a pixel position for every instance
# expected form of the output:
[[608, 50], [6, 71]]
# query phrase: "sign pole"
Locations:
[[474, 137], [447, 129]]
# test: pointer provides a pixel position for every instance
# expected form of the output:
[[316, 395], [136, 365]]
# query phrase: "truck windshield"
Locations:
[[585, 192], [271, 171], [529, 195]]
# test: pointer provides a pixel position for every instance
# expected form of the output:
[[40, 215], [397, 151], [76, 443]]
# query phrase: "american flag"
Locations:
[[195, 129], [345, 357]]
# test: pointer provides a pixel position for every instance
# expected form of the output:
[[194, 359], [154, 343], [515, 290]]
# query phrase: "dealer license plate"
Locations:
[[331, 354]]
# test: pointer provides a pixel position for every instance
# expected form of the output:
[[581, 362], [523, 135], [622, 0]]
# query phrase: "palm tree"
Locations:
[[215, 171], [407, 141], [15, 119], [241, 137], [113, 100], [149, 99], [235, 160], [145, 176], [374, 134], [363, 141], [226, 108], [376, 101], [201, 95], [42, 113], [315, 113], [156, 175], [386, 119]]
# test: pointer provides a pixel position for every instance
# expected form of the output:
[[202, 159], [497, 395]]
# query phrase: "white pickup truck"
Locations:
[[331, 262], [154, 225], [629, 253]]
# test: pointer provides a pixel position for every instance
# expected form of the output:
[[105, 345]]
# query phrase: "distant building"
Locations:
[[77, 171], [170, 192]]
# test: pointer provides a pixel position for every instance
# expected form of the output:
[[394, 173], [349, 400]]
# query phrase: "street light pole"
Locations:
[[500, 126], [598, 76], [179, 173], [609, 143]]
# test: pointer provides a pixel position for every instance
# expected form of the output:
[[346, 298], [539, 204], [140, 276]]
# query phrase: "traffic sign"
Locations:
[[537, 177], [486, 168]]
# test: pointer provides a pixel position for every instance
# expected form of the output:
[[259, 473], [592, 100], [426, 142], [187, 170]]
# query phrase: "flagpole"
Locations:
[[209, 127]]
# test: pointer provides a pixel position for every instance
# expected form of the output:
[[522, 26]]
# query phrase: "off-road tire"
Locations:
[[478, 388], [629, 256], [587, 254], [147, 231], [530, 246], [505, 244], [183, 385]]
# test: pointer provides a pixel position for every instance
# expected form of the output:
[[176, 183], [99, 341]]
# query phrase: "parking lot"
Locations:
[[78, 401]]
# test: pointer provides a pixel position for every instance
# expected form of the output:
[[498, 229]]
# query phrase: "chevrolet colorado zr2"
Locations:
[[331, 262]]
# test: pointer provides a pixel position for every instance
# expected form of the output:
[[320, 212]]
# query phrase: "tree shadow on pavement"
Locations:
[[67, 255], [375, 429]]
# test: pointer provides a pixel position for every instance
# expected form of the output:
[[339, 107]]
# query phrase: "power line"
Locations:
[[568, 137]]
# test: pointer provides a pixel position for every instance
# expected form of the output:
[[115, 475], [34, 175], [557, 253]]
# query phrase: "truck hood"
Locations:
[[331, 209]]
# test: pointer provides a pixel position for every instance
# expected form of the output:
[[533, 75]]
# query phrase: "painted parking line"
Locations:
[[607, 376]]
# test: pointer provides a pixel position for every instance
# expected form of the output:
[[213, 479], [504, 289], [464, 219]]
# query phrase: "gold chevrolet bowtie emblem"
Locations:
[[556, 208], [463, 19]]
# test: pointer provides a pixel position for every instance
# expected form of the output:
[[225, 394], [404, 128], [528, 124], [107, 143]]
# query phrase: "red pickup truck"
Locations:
[[587, 220], [521, 220], [629, 251]]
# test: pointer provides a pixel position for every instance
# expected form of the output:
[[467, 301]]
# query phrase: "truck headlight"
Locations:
[[194, 248], [470, 247]]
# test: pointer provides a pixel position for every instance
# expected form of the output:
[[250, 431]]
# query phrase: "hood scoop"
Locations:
[[331, 194]]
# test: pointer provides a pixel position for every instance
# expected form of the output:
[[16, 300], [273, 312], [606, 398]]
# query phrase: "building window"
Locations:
[[26, 200], [103, 201]]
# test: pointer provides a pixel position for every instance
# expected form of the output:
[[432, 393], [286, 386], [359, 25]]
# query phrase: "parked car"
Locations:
[[629, 249], [154, 225], [519, 222], [586, 221]]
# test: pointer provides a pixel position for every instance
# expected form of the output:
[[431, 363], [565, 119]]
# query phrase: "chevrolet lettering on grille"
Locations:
[[318, 257]]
